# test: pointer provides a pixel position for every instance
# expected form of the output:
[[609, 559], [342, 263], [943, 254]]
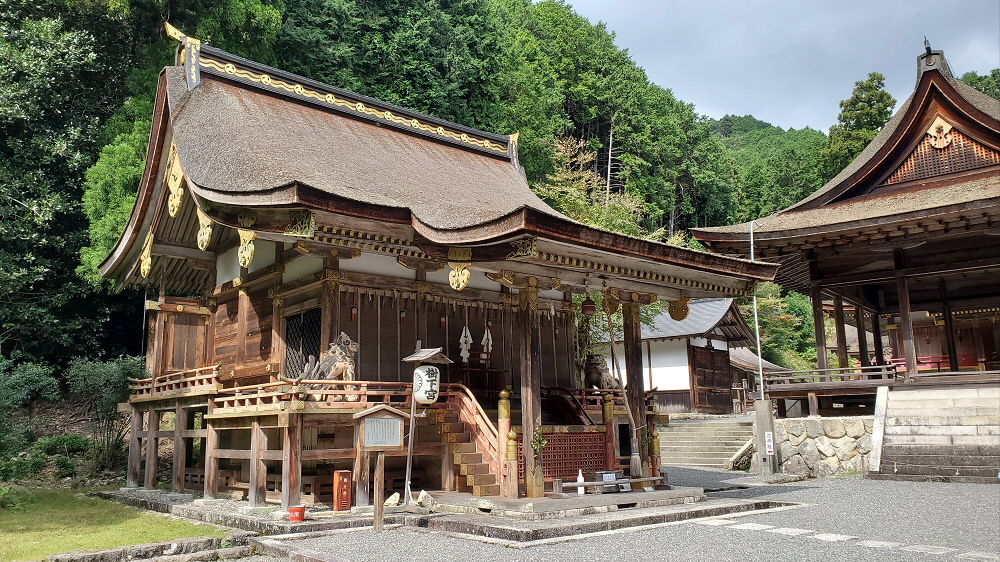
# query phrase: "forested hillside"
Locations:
[[597, 138]]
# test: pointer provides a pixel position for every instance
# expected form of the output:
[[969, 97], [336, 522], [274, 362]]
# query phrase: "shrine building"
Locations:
[[280, 219], [904, 242]]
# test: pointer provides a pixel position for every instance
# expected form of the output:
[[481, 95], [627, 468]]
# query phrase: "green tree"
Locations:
[[786, 327], [861, 117], [23, 385], [103, 385], [989, 84]]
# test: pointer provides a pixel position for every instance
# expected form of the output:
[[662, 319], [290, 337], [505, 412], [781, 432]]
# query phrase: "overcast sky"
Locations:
[[790, 62]]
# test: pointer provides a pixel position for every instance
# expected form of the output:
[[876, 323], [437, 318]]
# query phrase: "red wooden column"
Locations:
[[634, 391], [608, 413], [291, 462], [258, 469], [819, 326], [152, 442], [838, 314], [134, 449], [531, 387]]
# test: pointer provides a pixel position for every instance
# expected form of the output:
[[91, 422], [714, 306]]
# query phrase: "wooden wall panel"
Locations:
[[224, 320]]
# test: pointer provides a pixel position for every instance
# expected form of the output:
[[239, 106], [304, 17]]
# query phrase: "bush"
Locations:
[[104, 384], [63, 445], [13, 497], [65, 466], [24, 466]]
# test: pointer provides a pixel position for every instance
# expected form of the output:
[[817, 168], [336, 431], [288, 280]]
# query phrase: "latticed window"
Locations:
[[302, 339]]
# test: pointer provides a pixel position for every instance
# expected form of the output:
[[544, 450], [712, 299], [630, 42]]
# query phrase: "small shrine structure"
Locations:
[[908, 235], [303, 240]]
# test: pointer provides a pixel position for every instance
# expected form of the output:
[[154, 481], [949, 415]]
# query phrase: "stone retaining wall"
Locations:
[[823, 446]]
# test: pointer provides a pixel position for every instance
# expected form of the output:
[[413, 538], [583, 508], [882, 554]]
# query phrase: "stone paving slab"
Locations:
[[575, 505]]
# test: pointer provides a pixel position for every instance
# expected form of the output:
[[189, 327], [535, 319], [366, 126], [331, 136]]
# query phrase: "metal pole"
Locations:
[[756, 322]]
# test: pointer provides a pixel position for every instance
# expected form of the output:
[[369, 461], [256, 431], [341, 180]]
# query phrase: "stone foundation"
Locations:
[[823, 446]]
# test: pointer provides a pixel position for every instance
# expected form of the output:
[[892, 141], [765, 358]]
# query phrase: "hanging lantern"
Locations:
[[354, 314], [402, 317], [589, 307], [444, 321]]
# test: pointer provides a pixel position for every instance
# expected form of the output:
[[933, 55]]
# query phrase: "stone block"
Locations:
[[989, 392], [977, 402], [793, 426], [834, 428], [786, 450], [809, 453], [796, 466], [827, 467], [869, 424], [853, 464], [854, 427], [824, 446], [846, 447], [255, 510], [988, 430], [797, 440], [208, 501], [814, 427], [779, 433], [865, 444]]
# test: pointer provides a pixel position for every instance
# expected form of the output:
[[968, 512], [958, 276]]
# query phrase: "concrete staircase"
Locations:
[[473, 474], [950, 433], [708, 442]]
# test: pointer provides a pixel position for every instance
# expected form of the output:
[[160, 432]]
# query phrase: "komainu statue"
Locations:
[[597, 375], [337, 365]]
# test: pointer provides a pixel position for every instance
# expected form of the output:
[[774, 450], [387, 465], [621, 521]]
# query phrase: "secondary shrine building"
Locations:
[[281, 219], [903, 243]]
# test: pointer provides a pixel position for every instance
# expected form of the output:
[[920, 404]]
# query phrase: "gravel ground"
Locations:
[[952, 521]]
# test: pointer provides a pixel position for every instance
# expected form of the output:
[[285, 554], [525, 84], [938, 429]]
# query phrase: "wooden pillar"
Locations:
[[512, 491], [379, 502], [906, 341], [531, 388], [134, 476], [813, 404], [242, 319], [819, 326], [608, 413], [277, 336], [291, 462], [838, 314], [152, 443], [654, 446], [211, 461], [859, 321], [180, 446], [877, 338], [949, 328], [634, 391], [258, 468], [503, 428]]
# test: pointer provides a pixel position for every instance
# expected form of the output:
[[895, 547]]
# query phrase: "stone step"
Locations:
[[941, 450], [486, 490], [706, 435], [473, 468], [942, 429], [694, 463], [468, 458], [944, 411], [464, 448], [980, 440], [943, 420], [946, 460], [887, 466], [698, 449], [734, 443], [480, 479], [936, 403], [708, 461]]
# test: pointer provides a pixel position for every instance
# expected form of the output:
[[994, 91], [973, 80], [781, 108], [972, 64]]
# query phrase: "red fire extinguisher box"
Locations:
[[342, 485]]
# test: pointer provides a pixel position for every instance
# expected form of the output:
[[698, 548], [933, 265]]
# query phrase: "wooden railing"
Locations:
[[203, 380], [788, 379], [311, 395], [461, 400]]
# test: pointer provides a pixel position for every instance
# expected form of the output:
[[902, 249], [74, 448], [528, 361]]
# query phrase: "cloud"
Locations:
[[791, 62]]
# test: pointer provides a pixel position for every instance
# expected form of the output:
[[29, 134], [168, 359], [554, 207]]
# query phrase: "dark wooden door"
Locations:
[[711, 388]]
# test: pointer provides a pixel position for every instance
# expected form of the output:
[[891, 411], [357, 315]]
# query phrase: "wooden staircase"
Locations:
[[473, 474], [471, 441]]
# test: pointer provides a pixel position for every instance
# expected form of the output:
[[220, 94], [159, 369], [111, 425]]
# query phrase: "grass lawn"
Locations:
[[57, 520]]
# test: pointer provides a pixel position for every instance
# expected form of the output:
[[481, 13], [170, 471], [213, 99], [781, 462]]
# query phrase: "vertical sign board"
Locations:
[[379, 429], [769, 442]]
